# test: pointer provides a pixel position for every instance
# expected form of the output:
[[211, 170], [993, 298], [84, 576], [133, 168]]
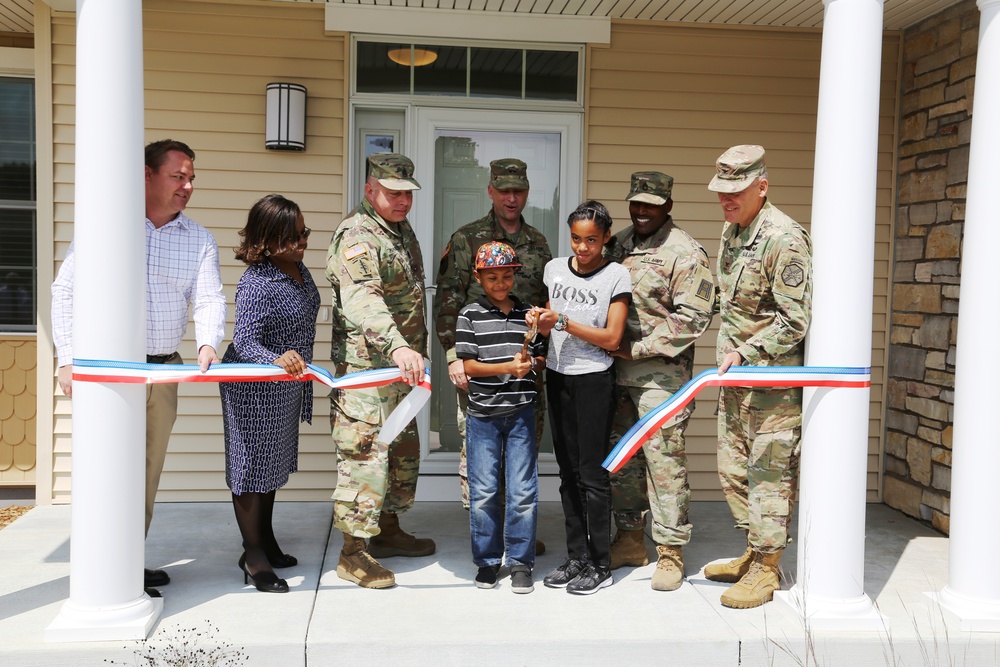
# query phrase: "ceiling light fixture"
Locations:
[[420, 57]]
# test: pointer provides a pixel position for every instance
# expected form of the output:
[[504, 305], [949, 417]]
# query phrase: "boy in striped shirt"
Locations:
[[492, 339]]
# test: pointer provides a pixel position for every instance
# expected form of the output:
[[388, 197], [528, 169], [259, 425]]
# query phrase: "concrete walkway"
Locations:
[[436, 616]]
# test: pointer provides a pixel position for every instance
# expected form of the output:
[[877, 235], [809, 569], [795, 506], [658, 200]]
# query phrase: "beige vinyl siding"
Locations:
[[673, 98], [206, 68]]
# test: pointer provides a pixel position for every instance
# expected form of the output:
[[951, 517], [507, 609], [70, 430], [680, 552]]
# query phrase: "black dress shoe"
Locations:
[[281, 560], [153, 593], [265, 582], [155, 578]]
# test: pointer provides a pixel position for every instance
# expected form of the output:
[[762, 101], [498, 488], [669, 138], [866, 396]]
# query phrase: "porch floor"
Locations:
[[436, 616]]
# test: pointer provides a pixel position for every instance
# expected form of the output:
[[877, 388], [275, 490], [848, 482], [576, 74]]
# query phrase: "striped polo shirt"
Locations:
[[485, 333]]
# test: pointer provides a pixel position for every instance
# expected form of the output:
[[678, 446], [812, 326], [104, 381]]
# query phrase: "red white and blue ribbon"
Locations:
[[737, 376], [129, 372]]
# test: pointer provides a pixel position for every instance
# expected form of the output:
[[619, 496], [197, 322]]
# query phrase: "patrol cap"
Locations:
[[650, 187], [508, 174], [393, 171], [495, 255], [737, 168]]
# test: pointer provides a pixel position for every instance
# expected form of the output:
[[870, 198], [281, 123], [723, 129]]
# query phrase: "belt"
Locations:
[[159, 358]]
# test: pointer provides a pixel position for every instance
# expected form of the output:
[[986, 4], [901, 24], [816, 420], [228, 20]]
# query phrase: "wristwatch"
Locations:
[[561, 323]]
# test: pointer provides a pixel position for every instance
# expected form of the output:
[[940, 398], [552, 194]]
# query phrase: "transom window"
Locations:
[[467, 71]]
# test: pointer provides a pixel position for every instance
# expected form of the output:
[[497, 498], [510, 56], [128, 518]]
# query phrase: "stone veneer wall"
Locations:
[[939, 65]]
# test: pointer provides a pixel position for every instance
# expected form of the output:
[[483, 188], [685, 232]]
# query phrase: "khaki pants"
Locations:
[[161, 413]]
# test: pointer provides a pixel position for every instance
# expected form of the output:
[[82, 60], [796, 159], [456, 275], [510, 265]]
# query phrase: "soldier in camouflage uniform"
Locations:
[[508, 188], [765, 302], [376, 271], [672, 296]]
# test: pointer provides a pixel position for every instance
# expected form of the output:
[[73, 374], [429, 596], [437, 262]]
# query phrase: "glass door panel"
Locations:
[[461, 174], [452, 157]]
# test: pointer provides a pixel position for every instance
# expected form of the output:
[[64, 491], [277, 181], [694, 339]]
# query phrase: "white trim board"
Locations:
[[445, 23]]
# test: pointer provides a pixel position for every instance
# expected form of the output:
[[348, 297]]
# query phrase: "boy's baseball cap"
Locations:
[[496, 255]]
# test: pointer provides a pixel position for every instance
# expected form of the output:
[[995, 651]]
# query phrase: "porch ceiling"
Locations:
[[18, 15], [899, 14]]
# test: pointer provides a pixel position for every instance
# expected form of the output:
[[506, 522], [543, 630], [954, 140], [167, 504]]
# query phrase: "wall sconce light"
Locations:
[[420, 58], [285, 125]]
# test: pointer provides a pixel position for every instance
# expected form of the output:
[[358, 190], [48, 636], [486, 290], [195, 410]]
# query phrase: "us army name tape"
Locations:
[[737, 376]]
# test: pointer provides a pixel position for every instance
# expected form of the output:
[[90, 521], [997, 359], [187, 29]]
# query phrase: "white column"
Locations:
[[829, 593], [106, 599], [972, 596]]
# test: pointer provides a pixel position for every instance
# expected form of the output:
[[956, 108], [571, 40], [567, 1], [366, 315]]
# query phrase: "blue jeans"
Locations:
[[501, 453]]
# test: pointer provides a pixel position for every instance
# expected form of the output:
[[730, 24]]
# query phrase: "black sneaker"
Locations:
[[590, 581], [487, 576], [520, 579], [565, 573]]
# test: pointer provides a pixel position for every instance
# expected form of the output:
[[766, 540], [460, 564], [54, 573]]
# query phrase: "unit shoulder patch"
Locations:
[[702, 291], [793, 275]]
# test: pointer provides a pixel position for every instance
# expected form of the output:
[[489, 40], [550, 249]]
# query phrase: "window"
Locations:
[[467, 71], [18, 277]]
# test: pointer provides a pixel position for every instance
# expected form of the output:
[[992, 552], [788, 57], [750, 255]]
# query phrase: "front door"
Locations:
[[453, 151]]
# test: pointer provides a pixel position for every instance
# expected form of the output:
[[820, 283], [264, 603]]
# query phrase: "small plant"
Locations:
[[186, 647]]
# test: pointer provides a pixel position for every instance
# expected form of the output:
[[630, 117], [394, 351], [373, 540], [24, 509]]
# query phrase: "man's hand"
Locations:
[[411, 363], [731, 359], [292, 363], [206, 357], [66, 379], [456, 373]]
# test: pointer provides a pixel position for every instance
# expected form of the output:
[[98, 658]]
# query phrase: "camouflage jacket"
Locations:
[[672, 297], [765, 290], [377, 275], [457, 287]]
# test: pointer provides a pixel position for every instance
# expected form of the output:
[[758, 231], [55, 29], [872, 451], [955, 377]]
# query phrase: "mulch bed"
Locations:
[[9, 514]]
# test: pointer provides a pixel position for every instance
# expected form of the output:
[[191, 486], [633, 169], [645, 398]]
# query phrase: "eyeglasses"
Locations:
[[304, 234]]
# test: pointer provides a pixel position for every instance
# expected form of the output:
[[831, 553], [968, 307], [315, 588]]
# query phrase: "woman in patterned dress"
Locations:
[[276, 306]]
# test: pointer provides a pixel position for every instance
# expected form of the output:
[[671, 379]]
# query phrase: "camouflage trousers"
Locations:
[[656, 477], [463, 405], [759, 447], [372, 477]]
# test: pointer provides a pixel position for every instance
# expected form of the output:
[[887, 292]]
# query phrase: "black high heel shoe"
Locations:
[[279, 561], [266, 582]]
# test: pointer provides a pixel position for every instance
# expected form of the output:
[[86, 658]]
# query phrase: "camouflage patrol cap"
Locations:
[[393, 171], [508, 174], [737, 168], [650, 187], [496, 255]]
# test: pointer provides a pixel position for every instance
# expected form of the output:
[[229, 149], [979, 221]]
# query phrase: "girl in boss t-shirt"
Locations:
[[584, 319]]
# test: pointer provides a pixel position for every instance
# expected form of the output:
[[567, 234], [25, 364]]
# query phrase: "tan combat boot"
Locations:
[[357, 566], [628, 548], [392, 541], [759, 584], [669, 572], [732, 571]]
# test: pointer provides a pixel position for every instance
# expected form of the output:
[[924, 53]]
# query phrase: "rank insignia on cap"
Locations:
[[793, 275]]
